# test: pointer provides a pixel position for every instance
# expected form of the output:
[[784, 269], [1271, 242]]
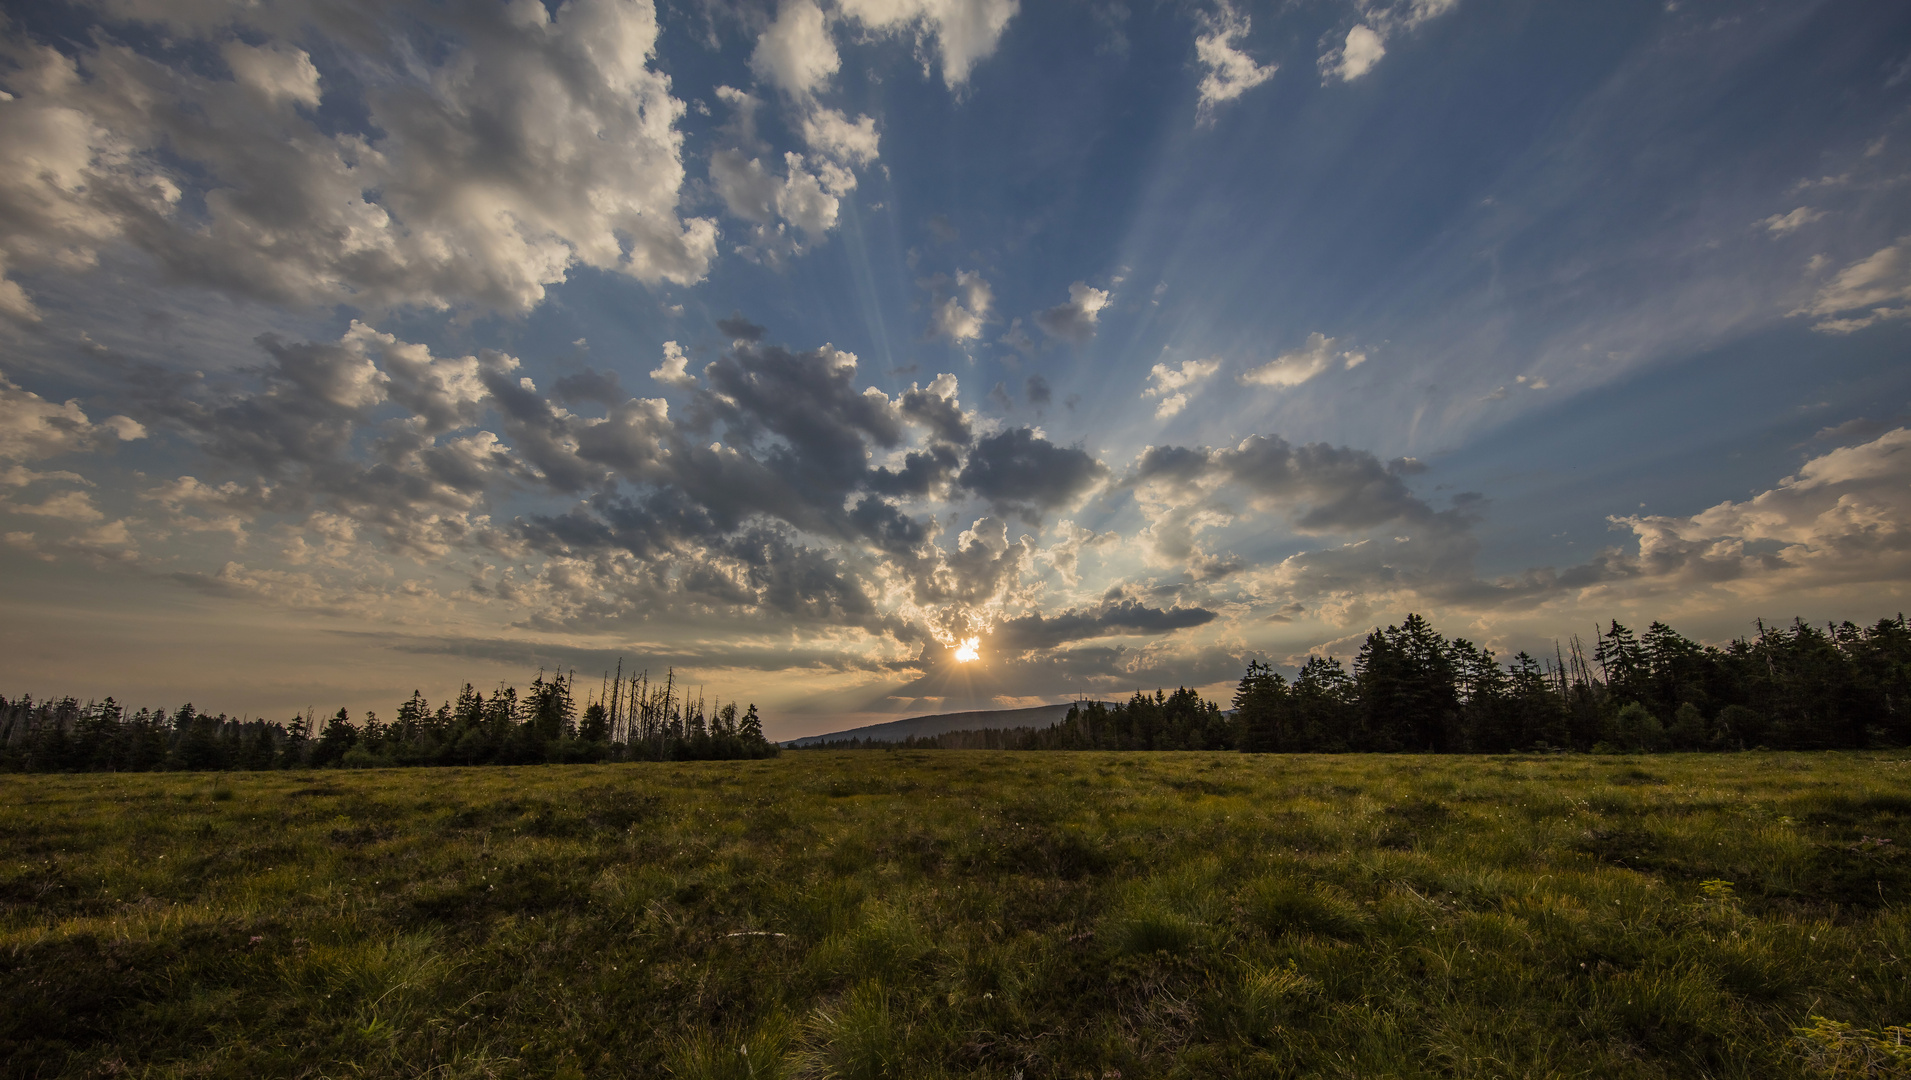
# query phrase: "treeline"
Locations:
[[1788, 688], [627, 720], [1797, 687]]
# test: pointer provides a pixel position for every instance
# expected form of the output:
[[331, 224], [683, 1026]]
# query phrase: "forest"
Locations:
[[628, 719], [1797, 687]]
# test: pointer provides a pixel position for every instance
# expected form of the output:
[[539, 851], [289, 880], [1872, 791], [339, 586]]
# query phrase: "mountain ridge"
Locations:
[[1034, 716]]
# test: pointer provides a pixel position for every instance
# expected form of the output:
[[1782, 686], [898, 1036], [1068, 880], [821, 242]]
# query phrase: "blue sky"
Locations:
[[357, 347]]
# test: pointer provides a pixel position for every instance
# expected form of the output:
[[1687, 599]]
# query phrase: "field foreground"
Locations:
[[964, 914]]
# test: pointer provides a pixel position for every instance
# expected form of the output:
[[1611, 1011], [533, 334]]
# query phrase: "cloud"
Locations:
[[1170, 406], [1035, 631], [804, 201], [497, 152], [759, 497], [809, 201], [1038, 391], [795, 53], [1365, 43], [1024, 474], [1874, 282], [1075, 320], [1323, 488], [1781, 224], [1857, 427], [1839, 523], [1065, 554], [32, 427], [937, 409], [674, 371], [829, 132], [66, 506], [1018, 339], [964, 31], [1229, 71], [1357, 55], [1184, 492], [442, 393], [738, 328], [277, 74], [1843, 518], [958, 309], [746, 187], [1294, 368], [602, 387], [1167, 383]]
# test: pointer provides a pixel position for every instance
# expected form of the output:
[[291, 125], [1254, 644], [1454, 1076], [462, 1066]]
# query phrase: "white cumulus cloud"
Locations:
[[1075, 320], [795, 54], [1170, 383], [1295, 368], [1366, 41], [1845, 517], [963, 31], [852, 142], [512, 146], [959, 309], [1230, 72], [1357, 56], [674, 371]]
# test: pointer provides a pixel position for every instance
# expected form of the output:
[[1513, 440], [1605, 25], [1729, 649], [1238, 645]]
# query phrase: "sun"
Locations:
[[967, 652]]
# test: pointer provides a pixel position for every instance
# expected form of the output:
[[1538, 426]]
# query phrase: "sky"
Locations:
[[871, 358]]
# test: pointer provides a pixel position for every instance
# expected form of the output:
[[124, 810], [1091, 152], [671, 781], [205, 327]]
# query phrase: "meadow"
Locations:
[[953, 913]]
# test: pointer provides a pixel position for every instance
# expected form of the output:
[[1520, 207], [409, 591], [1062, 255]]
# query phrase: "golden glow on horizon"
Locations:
[[967, 652]]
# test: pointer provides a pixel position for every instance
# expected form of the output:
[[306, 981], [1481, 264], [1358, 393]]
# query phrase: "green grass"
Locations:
[[946, 913]]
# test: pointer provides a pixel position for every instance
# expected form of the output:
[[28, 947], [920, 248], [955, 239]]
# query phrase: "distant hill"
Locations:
[[1040, 716]]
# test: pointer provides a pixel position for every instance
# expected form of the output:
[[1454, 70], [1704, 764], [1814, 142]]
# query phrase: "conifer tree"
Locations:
[[339, 736]]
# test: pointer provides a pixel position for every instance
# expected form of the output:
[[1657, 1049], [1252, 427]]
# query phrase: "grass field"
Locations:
[[964, 914]]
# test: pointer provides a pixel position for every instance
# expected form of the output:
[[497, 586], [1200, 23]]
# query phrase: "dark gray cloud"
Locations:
[[937, 409], [1343, 489], [1023, 474], [791, 579], [1038, 391], [589, 385], [737, 328], [536, 430], [1322, 488], [1036, 631], [923, 472]]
